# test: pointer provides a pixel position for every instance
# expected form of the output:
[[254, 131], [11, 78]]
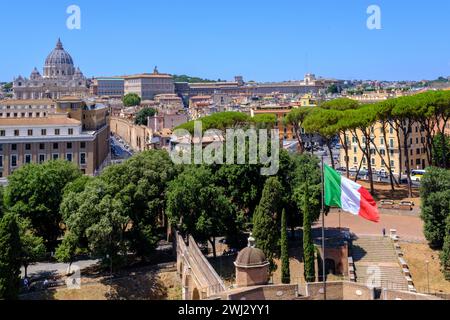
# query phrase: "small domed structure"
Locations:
[[250, 257], [252, 267]]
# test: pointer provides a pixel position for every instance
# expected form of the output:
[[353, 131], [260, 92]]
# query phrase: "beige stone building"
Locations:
[[148, 85], [35, 131], [387, 149]]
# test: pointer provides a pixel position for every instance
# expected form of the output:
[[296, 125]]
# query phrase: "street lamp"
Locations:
[[428, 276]]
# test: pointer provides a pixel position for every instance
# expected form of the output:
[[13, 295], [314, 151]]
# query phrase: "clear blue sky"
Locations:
[[261, 40]]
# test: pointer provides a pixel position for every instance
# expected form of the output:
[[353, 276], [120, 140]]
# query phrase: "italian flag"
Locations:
[[351, 197]]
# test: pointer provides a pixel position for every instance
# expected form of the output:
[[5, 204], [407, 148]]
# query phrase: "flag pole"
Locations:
[[324, 278]]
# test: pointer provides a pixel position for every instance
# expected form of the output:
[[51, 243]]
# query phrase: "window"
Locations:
[[41, 158], [28, 158], [69, 157], [417, 151], [1, 161], [55, 146], [2, 133], [27, 146], [16, 132], [83, 145], [57, 132], [41, 146], [82, 158], [69, 145], [70, 131], [55, 156], [391, 143], [382, 141], [43, 132], [355, 159], [30, 132], [14, 160], [1, 147], [392, 163], [373, 161], [14, 147]]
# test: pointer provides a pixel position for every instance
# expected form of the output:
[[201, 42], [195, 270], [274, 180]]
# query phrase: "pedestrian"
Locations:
[[26, 283], [384, 232]]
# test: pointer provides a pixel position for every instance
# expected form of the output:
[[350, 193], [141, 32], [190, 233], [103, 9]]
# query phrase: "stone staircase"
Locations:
[[376, 255]]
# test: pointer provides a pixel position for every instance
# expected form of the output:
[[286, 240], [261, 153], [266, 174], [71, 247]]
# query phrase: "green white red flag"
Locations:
[[349, 196]]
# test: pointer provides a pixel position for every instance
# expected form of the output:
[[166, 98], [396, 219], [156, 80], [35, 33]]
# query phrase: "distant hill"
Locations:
[[185, 78]]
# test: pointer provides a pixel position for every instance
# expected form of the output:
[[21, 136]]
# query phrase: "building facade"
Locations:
[[41, 130], [60, 78], [388, 150], [108, 87], [147, 86]]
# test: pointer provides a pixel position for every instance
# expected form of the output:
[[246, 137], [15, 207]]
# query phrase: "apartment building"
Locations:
[[35, 131], [388, 150]]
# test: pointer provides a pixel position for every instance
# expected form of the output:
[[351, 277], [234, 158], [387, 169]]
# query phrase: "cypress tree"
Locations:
[[308, 245], [10, 249], [445, 254], [285, 274], [265, 226]]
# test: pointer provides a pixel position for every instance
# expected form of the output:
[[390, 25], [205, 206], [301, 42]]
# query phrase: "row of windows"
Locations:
[[42, 158], [26, 107], [69, 145], [23, 115], [30, 132]]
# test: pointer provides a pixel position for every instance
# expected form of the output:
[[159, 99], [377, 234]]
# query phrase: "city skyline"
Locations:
[[261, 42]]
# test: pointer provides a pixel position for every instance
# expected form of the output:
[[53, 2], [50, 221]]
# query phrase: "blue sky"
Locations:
[[261, 40]]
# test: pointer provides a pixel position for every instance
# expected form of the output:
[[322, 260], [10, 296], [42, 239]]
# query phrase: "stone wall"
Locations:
[[404, 295], [137, 137], [277, 292]]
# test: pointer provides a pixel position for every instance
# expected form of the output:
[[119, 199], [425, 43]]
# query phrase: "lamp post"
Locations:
[[428, 276]]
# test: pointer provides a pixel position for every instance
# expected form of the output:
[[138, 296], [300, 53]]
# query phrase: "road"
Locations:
[[118, 150], [53, 269]]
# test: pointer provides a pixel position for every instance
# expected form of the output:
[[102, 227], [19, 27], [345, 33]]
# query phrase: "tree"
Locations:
[[35, 192], [445, 254], [296, 118], [362, 121], [285, 273], [438, 141], [197, 206], [323, 122], [120, 211], [435, 196], [143, 115], [307, 192], [131, 100], [9, 257], [265, 226], [99, 218], [32, 246], [66, 251], [342, 104]]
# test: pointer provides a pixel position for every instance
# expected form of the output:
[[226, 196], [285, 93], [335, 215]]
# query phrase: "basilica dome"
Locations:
[[59, 63]]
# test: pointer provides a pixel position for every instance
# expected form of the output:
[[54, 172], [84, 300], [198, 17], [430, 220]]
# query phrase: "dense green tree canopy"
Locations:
[[35, 192], [131, 100], [10, 249], [143, 115], [435, 195]]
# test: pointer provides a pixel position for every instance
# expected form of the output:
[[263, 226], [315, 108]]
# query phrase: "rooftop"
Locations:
[[22, 122]]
